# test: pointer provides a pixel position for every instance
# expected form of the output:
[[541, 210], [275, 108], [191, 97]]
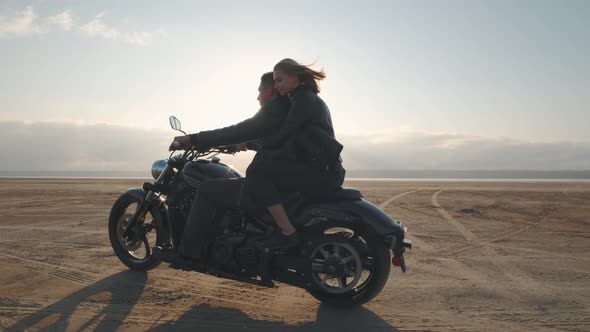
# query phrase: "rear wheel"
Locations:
[[135, 253], [349, 267]]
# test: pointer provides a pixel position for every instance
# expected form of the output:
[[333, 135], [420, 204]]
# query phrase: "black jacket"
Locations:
[[265, 122], [297, 128], [308, 127]]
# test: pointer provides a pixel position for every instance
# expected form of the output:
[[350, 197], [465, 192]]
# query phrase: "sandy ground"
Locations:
[[522, 263]]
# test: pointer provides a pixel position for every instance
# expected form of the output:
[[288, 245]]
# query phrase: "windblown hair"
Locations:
[[304, 73]]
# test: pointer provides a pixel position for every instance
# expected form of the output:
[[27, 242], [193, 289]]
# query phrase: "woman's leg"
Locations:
[[266, 182], [280, 215]]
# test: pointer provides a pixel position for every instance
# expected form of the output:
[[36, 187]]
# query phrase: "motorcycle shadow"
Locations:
[[329, 319], [124, 289], [72, 313]]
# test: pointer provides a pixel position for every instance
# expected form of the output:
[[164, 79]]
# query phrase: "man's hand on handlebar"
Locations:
[[184, 142], [241, 147], [180, 143], [233, 148]]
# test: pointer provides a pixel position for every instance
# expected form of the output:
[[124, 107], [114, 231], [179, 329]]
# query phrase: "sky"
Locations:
[[410, 84]]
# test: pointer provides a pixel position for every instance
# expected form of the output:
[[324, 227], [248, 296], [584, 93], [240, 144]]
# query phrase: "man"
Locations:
[[215, 194]]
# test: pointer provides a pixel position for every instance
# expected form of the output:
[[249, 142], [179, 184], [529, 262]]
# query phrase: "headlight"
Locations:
[[158, 167]]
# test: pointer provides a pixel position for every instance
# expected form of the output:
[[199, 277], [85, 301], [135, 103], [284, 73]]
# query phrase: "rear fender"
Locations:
[[350, 212]]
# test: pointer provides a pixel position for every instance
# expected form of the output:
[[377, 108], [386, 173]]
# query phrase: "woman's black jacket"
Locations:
[[295, 128]]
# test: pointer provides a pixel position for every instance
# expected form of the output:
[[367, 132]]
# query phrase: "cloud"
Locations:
[[62, 20], [25, 23], [20, 24], [139, 38], [45, 146], [97, 28], [455, 151]]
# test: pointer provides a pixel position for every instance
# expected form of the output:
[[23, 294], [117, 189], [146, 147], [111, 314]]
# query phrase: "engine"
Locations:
[[236, 253]]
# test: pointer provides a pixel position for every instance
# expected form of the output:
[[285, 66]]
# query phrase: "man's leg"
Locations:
[[214, 195]]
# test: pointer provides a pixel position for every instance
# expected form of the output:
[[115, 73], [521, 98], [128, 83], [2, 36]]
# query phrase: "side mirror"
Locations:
[[175, 123]]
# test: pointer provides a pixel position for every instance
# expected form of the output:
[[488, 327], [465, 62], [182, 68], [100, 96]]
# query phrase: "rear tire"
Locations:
[[368, 289], [120, 214]]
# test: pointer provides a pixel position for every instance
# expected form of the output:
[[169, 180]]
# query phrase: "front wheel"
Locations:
[[136, 254], [349, 267]]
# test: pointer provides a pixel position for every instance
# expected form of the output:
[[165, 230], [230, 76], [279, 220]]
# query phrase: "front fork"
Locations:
[[135, 226]]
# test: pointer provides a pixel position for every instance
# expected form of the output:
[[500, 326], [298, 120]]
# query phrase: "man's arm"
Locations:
[[246, 130]]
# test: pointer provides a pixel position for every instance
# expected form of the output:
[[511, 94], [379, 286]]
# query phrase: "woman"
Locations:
[[313, 165]]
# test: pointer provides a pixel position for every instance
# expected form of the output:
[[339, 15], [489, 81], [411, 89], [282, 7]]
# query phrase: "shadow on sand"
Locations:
[[125, 289], [214, 319]]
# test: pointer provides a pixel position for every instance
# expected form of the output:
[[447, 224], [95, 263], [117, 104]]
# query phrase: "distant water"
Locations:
[[75, 175], [462, 180], [353, 175], [472, 174]]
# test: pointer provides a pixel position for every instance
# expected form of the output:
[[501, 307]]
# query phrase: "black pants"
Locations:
[[269, 181], [214, 196], [266, 183]]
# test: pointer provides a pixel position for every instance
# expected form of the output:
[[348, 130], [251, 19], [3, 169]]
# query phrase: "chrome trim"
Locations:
[[157, 167], [163, 174]]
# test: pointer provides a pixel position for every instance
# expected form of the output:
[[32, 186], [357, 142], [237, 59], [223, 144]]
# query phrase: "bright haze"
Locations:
[[432, 85]]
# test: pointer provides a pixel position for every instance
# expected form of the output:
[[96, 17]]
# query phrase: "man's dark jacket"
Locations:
[[297, 128], [265, 122]]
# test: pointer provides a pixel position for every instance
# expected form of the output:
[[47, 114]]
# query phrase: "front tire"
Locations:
[[350, 291], [137, 255]]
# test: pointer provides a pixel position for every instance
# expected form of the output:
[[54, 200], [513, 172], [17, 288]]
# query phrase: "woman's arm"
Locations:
[[301, 112]]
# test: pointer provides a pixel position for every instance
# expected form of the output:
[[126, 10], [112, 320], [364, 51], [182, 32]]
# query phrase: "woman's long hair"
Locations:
[[304, 73]]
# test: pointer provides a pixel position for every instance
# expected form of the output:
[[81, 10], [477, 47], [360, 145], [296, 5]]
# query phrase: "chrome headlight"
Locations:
[[158, 167]]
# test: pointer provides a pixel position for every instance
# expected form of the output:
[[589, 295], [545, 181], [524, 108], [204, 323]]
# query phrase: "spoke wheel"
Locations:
[[349, 266], [138, 247], [341, 267], [135, 251]]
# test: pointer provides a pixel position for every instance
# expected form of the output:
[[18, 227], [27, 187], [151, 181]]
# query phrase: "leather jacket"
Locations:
[[308, 126], [297, 128], [265, 122]]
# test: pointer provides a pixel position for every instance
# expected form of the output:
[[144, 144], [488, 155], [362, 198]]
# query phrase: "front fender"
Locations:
[[157, 207]]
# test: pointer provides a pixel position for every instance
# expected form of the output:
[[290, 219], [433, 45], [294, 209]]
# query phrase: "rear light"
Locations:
[[396, 261], [405, 232]]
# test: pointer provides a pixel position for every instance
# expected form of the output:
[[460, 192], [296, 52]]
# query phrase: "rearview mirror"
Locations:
[[175, 123]]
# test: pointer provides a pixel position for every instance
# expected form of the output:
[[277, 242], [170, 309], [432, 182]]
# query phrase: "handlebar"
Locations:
[[227, 149]]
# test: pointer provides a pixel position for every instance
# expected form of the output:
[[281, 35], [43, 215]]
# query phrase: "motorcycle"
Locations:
[[343, 259]]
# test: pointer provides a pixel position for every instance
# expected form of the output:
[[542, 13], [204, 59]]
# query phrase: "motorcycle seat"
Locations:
[[295, 201], [339, 195]]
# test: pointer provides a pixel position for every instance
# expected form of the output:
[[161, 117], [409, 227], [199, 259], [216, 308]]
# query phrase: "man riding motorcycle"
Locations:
[[285, 163]]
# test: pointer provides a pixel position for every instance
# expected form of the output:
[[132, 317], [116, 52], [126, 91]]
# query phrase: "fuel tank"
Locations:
[[200, 170]]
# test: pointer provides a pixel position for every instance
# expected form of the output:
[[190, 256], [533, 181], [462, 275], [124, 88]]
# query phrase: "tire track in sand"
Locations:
[[517, 276], [417, 242], [387, 202], [500, 236]]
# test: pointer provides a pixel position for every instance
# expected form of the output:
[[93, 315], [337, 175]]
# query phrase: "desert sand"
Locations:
[[520, 264]]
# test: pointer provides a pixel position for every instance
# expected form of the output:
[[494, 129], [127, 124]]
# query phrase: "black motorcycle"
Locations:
[[344, 257]]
